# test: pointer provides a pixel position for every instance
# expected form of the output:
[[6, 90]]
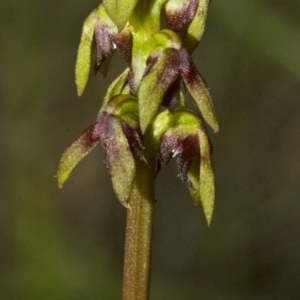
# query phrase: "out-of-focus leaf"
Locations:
[[269, 33], [76, 152], [119, 11], [83, 63]]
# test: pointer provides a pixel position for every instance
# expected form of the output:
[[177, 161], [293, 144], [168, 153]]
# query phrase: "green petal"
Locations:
[[83, 63], [197, 26], [200, 92], [119, 11], [122, 164], [115, 88], [201, 175], [207, 178], [154, 85], [75, 153]]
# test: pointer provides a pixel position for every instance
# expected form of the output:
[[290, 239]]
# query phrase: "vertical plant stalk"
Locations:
[[139, 223]]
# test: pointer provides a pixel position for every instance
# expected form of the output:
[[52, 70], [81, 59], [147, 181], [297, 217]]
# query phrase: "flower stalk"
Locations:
[[139, 223], [143, 121]]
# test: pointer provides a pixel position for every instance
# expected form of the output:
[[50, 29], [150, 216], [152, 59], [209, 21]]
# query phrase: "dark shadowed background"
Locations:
[[69, 244]]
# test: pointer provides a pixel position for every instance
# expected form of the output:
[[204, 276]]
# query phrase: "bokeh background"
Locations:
[[69, 244]]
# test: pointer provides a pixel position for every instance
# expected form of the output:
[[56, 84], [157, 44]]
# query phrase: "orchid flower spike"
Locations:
[[143, 116]]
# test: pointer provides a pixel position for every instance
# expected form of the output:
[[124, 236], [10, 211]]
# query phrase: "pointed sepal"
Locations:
[[196, 27], [201, 175], [207, 178], [83, 63], [120, 160], [199, 90], [155, 84], [76, 152], [105, 29]]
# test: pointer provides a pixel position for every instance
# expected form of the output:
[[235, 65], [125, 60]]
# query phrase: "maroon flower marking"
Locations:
[[182, 17], [134, 137], [183, 149], [107, 39]]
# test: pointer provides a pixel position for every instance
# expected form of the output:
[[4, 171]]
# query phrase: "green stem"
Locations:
[[136, 280]]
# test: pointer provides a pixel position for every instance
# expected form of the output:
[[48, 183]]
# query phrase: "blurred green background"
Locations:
[[69, 245]]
